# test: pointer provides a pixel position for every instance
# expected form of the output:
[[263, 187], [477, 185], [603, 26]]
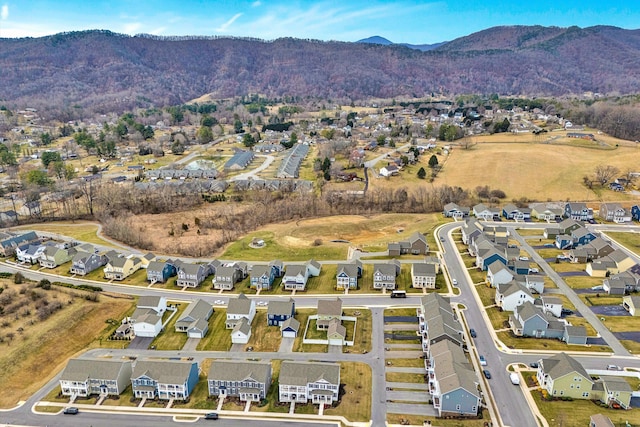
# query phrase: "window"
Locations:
[[457, 407]]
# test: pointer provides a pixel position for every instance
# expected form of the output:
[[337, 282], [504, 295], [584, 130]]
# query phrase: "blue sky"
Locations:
[[403, 21]]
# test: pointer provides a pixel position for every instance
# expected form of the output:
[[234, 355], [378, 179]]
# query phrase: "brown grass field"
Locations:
[[23, 370]]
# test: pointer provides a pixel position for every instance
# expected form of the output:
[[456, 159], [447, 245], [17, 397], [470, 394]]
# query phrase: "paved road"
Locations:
[[371, 163], [252, 173], [587, 313]]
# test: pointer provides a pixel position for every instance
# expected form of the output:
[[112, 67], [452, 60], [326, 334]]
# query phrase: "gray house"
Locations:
[[226, 277], [303, 381], [194, 320], [530, 321], [84, 377], [84, 263], [384, 275], [192, 275], [248, 381]]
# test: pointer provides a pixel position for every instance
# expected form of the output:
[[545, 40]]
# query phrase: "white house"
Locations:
[[498, 274], [389, 170], [241, 332], [512, 294], [155, 303], [147, 325], [295, 277], [551, 305], [240, 308], [301, 382], [535, 283]]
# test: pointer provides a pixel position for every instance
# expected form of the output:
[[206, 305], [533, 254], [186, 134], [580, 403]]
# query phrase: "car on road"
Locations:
[[486, 374], [211, 416], [483, 361], [442, 239], [218, 302], [262, 303], [455, 282], [515, 379], [71, 410], [566, 312], [534, 365], [523, 258], [613, 368], [472, 332]]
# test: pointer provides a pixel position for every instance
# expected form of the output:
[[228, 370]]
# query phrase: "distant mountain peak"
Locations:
[[376, 40]]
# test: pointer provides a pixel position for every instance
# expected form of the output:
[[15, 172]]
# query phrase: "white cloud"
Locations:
[[256, 3], [4, 12], [158, 31], [132, 28], [222, 28]]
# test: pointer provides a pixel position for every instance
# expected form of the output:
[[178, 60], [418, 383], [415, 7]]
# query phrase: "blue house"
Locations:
[[278, 267], [262, 276], [279, 311], [582, 236], [519, 267], [161, 271], [578, 211], [635, 212], [564, 242], [486, 257], [164, 379]]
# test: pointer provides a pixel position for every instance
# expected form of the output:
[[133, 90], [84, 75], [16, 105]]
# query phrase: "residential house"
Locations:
[[511, 295], [550, 304], [31, 209], [164, 380], [415, 245], [195, 319], [241, 332], [161, 271], [616, 262], [240, 160], [438, 322], [8, 217], [614, 212], [613, 391], [546, 212], [29, 253], [471, 229], [84, 263], [511, 211], [147, 318], [192, 275], [336, 333], [262, 277], [566, 226], [120, 267], [574, 335], [239, 308], [328, 310], [453, 384], [486, 257], [535, 283], [279, 311], [389, 170], [384, 275], [347, 275], [631, 304], [578, 211], [295, 277], [226, 277], [423, 275], [564, 241], [498, 273], [53, 256], [314, 268], [563, 376], [528, 320], [301, 382], [518, 267], [595, 249], [582, 236], [10, 242], [452, 210], [248, 381], [486, 213], [86, 377], [599, 420], [635, 212]]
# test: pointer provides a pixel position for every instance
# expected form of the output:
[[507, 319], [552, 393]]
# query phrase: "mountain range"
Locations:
[[386, 42], [105, 71]]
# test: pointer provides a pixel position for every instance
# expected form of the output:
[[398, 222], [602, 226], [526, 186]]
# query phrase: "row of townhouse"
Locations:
[[299, 382], [453, 384]]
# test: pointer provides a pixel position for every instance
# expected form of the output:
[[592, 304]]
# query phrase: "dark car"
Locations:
[[487, 374], [472, 332], [71, 410], [211, 416], [566, 312], [534, 365]]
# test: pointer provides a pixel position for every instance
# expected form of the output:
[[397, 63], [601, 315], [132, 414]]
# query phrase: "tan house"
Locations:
[[119, 268], [328, 310], [563, 376], [631, 304]]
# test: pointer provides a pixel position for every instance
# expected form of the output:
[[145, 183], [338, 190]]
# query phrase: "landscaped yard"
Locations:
[[403, 377], [355, 403], [263, 336], [629, 240], [583, 282], [486, 294], [498, 318], [544, 344], [169, 339], [576, 413], [218, 338]]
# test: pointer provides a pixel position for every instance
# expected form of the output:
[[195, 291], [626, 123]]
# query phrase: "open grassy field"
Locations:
[[81, 231], [169, 339], [263, 336], [629, 240], [355, 403], [563, 166], [218, 338], [78, 324], [576, 413], [544, 343]]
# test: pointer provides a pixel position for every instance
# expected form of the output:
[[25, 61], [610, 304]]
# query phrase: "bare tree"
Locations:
[[606, 173]]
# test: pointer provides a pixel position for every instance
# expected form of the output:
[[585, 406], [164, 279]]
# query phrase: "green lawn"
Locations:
[[240, 250], [621, 323], [263, 336], [564, 266], [355, 403], [487, 294], [414, 362], [576, 413], [218, 338], [629, 240], [362, 341], [83, 232], [403, 377], [511, 341], [169, 339], [498, 318], [583, 282], [400, 312]]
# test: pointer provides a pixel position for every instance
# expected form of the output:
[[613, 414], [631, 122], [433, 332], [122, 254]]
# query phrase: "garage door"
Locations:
[[288, 334], [194, 335], [335, 342]]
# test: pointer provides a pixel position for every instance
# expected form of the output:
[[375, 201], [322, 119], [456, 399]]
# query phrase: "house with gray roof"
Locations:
[[295, 277], [238, 308], [290, 166], [423, 275], [53, 256], [498, 273], [195, 319], [486, 213], [384, 275], [10, 242], [301, 382], [161, 271], [84, 263], [512, 294], [192, 275], [562, 375], [631, 304], [347, 275], [121, 267], [453, 384], [248, 381], [241, 332], [262, 276], [226, 277], [240, 160], [279, 311], [529, 320], [290, 327], [328, 309], [164, 379], [438, 322], [30, 253], [104, 377]]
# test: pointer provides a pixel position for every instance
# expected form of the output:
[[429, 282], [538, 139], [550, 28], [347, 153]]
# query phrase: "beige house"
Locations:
[[563, 376], [631, 304], [328, 310], [119, 268]]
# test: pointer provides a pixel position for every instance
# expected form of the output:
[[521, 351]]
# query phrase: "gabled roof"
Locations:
[[330, 307], [385, 269], [149, 301], [303, 373], [230, 370], [164, 372], [239, 305], [291, 323], [336, 328], [83, 369], [351, 270], [243, 326], [280, 308], [296, 270], [562, 364], [527, 310], [198, 309], [511, 288], [452, 369]]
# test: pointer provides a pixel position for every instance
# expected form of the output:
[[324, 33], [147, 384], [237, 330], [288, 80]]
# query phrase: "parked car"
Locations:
[[613, 368], [566, 312], [534, 365], [211, 416], [442, 239], [486, 374], [515, 379], [483, 361], [523, 258], [71, 410], [472, 332]]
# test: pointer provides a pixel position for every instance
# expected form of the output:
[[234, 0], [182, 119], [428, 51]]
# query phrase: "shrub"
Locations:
[[44, 284], [18, 278]]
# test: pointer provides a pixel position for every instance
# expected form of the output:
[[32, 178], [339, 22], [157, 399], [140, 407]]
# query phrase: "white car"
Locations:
[[455, 282], [262, 303], [218, 302]]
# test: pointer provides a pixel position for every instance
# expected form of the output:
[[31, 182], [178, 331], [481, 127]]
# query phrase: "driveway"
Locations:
[[633, 336], [412, 409], [140, 343], [573, 273], [335, 349], [401, 319], [191, 344], [237, 347], [610, 310], [286, 345]]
